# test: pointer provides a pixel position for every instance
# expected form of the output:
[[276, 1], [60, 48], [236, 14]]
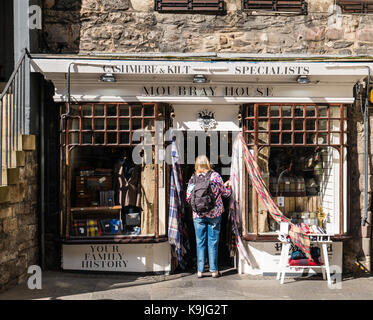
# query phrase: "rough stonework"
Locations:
[[133, 26], [19, 225]]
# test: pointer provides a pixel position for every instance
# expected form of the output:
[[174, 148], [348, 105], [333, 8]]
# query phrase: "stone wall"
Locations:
[[19, 224], [133, 26], [357, 250]]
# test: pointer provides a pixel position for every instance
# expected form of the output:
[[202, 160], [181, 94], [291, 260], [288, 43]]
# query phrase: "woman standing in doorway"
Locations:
[[204, 194]]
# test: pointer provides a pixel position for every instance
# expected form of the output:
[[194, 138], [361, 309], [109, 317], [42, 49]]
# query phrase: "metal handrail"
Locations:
[[12, 113]]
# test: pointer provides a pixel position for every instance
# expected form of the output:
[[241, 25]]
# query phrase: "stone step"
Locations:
[[4, 177], [28, 142], [5, 194], [13, 176]]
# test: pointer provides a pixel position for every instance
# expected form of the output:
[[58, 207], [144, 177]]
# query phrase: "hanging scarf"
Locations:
[[234, 200], [177, 236], [298, 238]]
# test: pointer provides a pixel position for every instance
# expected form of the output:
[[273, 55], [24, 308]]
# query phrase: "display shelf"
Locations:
[[94, 209]]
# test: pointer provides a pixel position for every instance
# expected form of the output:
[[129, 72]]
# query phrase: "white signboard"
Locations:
[[154, 257]]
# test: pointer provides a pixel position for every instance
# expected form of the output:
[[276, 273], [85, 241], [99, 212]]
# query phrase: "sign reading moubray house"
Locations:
[[208, 91]]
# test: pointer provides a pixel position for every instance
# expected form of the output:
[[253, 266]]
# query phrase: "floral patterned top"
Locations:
[[218, 189]]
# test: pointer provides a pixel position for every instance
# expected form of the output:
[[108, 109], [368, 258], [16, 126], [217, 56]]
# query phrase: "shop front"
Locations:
[[115, 177]]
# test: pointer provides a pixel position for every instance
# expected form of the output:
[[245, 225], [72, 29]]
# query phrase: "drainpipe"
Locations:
[[366, 148]]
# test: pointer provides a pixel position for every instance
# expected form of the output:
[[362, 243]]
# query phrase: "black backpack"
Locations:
[[202, 198]]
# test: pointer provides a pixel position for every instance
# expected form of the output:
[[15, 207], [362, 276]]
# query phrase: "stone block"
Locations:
[[28, 142], [20, 158], [13, 176], [342, 44], [365, 34], [4, 194], [366, 246], [6, 212], [334, 34], [366, 231], [10, 225], [312, 34], [110, 5]]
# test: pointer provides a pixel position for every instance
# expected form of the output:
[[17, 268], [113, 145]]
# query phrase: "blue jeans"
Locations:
[[207, 228]]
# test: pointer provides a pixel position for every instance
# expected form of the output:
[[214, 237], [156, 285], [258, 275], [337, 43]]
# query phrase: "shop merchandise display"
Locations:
[[103, 189]]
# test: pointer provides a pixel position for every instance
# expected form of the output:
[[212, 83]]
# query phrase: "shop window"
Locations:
[[99, 144], [301, 151], [202, 6], [289, 6], [356, 6]]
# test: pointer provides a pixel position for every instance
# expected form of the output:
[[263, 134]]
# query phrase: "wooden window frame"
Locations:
[[356, 6], [256, 145], [190, 6], [66, 218], [277, 6]]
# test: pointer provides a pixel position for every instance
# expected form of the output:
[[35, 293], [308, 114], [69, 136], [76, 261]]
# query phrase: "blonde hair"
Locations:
[[202, 164]]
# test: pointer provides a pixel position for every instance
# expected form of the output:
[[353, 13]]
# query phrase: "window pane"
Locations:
[[298, 111], [111, 110], [286, 111], [136, 111], [99, 124], [149, 124], [298, 124], [322, 138], [263, 111], [275, 124], [124, 138], [99, 110], [87, 124], [334, 138], [298, 138], [335, 112], [124, 110], [275, 138], [136, 124], [124, 124], [74, 138], [310, 124], [75, 110], [87, 138], [286, 124], [99, 137], [148, 111], [323, 125], [250, 125], [275, 111], [335, 125], [263, 125], [286, 138], [323, 111], [310, 111], [112, 137], [111, 124], [263, 138], [87, 110], [74, 124], [250, 138], [310, 138], [250, 110]]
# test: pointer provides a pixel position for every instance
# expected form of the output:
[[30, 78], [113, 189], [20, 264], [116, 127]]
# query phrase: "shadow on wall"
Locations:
[[62, 21]]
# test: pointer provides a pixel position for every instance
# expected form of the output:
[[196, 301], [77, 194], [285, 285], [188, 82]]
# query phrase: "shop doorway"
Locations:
[[218, 147]]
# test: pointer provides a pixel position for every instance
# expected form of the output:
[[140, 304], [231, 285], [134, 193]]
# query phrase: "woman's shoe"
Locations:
[[199, 274], [215, 274]]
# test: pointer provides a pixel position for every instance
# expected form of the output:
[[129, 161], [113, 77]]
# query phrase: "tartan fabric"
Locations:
[[234, 200], [297, 236], [177, 235]]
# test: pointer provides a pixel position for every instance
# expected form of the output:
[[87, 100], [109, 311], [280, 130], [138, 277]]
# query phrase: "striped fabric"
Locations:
[[177, 236], [234, 200], [298, 238]]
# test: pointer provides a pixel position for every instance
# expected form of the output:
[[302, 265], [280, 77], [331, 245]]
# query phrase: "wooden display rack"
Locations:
[[318, 239]]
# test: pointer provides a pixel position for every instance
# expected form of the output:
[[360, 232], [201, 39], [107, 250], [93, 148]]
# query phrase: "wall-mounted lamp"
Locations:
[[239, 116], [108, 77], [303, 80], [199, 78]]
